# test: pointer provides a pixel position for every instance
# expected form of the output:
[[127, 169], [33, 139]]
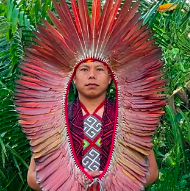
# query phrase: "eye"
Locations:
[[100, 69], [84, 69]]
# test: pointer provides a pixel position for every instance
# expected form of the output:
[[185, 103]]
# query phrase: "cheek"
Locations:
[[105, 83], [107, 79], [78, 77], [80, 81]]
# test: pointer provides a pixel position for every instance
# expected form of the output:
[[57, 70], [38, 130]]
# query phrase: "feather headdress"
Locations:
[[115, 36]]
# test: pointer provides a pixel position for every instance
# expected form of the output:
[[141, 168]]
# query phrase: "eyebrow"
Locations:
[[83, 66], [100, 65]]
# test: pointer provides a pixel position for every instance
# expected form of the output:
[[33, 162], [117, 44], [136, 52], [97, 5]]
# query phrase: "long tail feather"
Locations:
[[94, 24]]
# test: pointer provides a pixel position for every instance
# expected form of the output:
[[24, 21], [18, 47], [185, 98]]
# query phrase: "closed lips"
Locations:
[[91, 84]]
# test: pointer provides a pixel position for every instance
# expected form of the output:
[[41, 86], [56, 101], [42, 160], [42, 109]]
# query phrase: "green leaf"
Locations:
[[15, 18], [17, 155], [151, 13], [2, 174], [21, 18], [11, 180], [3, 151], [186, 118], [27, 21], [16, 164], [4, 26], [175, 50], [10, 5]]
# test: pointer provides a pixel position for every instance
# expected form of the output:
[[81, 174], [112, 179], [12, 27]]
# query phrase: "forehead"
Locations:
[[92, 64]]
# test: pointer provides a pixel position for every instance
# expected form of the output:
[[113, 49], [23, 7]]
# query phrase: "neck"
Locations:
[[91, 103]]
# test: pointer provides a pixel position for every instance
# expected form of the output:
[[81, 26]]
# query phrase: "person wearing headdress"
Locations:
[[93, 142]]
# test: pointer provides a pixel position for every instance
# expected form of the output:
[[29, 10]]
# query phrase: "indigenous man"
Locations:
[[92, 142], [91, 79]]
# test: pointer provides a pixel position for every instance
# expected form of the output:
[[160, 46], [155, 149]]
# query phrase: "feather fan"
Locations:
[[114, 35]]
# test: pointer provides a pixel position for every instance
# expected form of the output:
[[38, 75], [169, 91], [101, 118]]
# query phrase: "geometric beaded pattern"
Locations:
[[91, 143]]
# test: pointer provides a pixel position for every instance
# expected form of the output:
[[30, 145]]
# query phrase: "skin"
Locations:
[[91, 80], [153, 169], [31, 176]]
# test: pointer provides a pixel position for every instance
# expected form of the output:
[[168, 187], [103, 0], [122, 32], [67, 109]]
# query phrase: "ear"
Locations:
[[110, 78]]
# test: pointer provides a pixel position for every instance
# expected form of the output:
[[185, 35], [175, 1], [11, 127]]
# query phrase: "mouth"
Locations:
[[92, 85]]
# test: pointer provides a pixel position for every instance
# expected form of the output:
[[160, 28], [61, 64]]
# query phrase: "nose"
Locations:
[[92, 73]]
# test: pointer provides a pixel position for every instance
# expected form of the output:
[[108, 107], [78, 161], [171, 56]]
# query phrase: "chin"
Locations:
[[93, 95]]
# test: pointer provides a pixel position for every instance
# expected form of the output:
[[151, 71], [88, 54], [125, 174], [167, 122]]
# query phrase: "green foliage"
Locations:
[[171, 30], [13, 143], [172, 139], [171, 142], [172, 153], [15, 153]]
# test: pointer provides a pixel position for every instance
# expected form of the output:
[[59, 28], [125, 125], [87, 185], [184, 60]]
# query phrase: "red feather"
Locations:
[[94, 23]]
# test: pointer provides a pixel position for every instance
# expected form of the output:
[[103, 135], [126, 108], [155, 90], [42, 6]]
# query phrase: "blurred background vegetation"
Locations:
[[171, 27]]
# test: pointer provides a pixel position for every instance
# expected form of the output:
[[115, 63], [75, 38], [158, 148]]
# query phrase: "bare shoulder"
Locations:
[[31, 176], [153, 169]]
